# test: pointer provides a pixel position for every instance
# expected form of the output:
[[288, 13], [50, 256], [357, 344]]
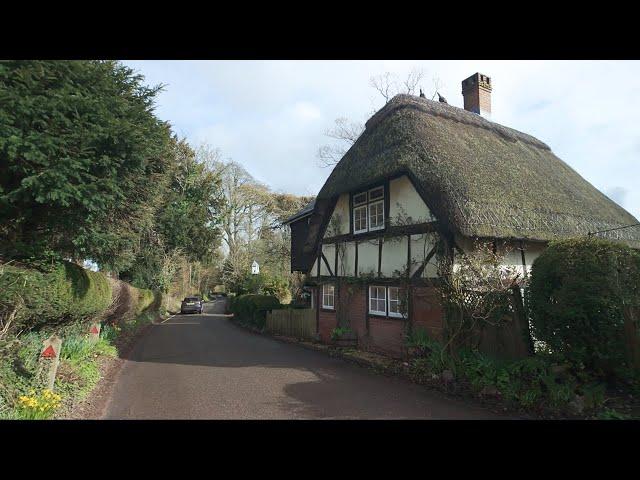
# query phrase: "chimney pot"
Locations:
[[476, 91]]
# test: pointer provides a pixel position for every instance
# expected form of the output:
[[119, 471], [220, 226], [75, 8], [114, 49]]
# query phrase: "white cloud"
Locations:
[[306, 111]]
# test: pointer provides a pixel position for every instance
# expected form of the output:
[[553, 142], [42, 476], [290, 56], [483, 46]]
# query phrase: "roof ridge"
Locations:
[[453, 113]]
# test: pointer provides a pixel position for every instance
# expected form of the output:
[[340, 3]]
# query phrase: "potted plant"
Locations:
[[343, 337]]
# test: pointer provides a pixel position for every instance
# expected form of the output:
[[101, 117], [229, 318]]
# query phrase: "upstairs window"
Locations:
[[368, 210]]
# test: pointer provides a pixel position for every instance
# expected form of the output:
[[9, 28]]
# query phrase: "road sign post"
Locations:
[[50, 355]]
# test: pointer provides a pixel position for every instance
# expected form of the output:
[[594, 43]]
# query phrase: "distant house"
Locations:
[[423, 174]]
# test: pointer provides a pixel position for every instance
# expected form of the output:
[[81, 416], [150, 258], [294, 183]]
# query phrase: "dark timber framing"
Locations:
[[432, 252], [397, 230], [380, 256], [326, 262], [417, 282], [355, 273]]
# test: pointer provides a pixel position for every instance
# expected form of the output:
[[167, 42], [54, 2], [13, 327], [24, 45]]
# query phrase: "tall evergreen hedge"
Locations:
[[63, 293], [579, 291], [253, 308]]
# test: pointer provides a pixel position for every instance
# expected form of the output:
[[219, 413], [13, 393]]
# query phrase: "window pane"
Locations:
[[360, 218], [376, 215], [377, 299], [393, 307], [376, 193], [393, 293], [327, 296], [360, 199]]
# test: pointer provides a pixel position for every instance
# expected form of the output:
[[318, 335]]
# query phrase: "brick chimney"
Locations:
[[476, 91]]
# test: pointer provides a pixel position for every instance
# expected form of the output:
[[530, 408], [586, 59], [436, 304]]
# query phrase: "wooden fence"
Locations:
[[293, 322]]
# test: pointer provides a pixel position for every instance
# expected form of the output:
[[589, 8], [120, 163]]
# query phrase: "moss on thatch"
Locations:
[[478, 177]]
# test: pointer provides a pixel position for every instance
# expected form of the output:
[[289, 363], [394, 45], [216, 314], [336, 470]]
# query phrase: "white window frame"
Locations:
[[328, 293], [369, 224], [378, 299], [397, 301], [366, 205], [366, 218]]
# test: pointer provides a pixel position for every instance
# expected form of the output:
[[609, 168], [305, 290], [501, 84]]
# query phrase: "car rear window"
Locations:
[[191, 299]]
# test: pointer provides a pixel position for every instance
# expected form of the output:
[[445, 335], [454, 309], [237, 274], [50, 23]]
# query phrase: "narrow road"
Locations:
[[205, 367]]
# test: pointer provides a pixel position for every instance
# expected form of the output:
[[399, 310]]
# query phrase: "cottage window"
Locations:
[[368, 210], [328, 296], [376, 215], [395, 303], [360, 219], [378, 300]]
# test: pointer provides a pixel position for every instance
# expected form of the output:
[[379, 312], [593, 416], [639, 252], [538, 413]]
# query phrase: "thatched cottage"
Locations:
[[425, 172]]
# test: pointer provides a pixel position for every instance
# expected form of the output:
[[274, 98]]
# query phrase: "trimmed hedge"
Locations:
[[253, 308], [64, 293], [578, 291], [146, 299]]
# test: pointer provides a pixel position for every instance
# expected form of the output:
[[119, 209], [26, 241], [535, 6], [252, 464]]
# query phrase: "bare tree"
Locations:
[[477, 291], [437, 85], [345, 132], [385, 84], [412, 80]]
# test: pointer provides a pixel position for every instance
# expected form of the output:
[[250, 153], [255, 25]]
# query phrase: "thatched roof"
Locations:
[[478, 177]]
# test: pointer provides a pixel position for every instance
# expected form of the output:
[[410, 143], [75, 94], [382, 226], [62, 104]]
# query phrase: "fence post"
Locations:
[[94, 331], [50, 354]]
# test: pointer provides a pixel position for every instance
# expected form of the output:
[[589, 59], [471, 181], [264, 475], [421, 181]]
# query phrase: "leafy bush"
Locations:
[[63, 293], [532, 382], [340, 332], [578, 290], [146, 299], [253, 309], [430, 349]]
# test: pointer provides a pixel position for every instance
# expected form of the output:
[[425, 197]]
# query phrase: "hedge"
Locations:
[[253, 308], [63, 293], [578, 293], [146, 299]]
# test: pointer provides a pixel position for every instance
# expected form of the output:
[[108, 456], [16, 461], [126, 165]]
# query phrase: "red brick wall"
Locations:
[[353, 304], [427, 311], [477, 97], [386, 335], [327, 322]]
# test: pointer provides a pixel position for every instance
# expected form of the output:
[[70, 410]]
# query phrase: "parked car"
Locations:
[[191, 305]]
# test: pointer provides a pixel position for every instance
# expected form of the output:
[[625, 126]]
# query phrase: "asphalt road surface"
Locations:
[[205, 367]]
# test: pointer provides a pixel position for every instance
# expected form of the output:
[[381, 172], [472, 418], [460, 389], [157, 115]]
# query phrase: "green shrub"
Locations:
[[253, 309], [146, 299], [577, 293], [76, 349], [63, 293], [430, 349], [340, 332]]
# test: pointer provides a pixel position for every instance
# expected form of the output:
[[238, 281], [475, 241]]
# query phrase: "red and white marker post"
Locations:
[[51, 355], [94, 331]]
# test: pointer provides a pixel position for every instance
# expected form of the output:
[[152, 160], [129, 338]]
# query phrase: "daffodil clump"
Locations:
[[38, 407]]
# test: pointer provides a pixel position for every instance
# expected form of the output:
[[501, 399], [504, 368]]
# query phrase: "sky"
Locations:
[[271, 116]]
